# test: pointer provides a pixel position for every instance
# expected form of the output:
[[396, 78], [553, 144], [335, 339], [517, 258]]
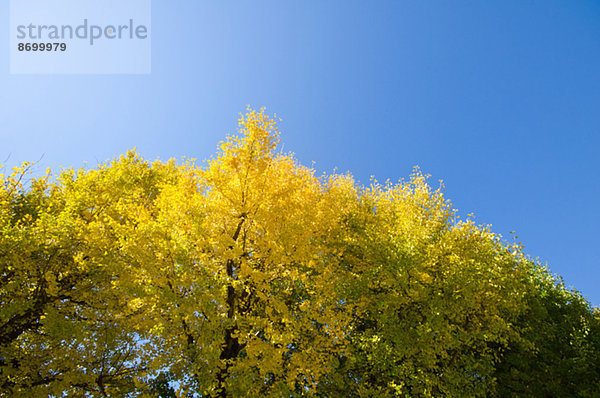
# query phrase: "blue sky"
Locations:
[[501, 100]]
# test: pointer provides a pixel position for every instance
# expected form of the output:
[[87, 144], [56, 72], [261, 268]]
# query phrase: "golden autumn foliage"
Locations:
[[251, 276]]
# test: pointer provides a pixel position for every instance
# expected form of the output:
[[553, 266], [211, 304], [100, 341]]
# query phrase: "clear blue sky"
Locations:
[[501, 100]]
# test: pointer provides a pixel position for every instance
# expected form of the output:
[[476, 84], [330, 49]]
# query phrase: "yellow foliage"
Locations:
[[247, 277]]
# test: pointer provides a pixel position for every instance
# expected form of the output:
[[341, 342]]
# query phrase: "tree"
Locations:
[[558, 353], [434, 299], [251, 276], [238, 287]]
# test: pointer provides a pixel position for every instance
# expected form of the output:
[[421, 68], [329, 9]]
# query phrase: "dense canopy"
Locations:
[[251, 276]]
